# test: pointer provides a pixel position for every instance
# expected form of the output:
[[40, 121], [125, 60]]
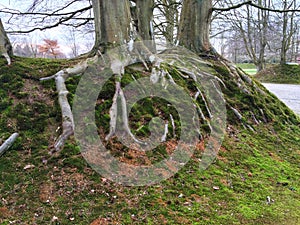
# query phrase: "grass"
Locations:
[[249, 68], [254, 180], [282, 74]]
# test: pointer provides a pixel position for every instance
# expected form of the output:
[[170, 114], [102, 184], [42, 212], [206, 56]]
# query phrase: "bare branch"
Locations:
[[256, 6], [19, 13], [71, 16]]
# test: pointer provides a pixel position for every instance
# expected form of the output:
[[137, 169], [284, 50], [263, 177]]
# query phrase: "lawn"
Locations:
[[281, 74], [249, 68]]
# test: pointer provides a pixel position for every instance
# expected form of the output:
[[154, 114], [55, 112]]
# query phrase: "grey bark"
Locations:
[[144, 12], [288, 29], [8, 143], [67, 115], [5, 45], [195, 25], [112, 23]]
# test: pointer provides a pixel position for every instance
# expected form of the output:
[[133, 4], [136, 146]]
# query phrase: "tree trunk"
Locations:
[[172, 19], [283, 49], [263, 16], [195, 25], [112, 23], [144, 11], [287, 30], [5, 45]]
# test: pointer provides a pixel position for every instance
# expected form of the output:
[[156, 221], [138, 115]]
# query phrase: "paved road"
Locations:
[[288, 93]]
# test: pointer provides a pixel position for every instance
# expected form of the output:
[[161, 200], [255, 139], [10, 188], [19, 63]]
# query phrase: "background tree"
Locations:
[[167, 19], [50, 48], [288, 29], [71, 39], [250, 25], [260, 25]]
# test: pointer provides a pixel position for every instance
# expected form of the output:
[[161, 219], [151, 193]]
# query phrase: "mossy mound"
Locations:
[[27, 105], [281, 74], [254, 180]]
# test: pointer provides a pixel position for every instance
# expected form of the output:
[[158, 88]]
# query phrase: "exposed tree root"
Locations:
[[67, 116], [245, 83], [113, 112], [8, 143], [116, 60], [7, 58]]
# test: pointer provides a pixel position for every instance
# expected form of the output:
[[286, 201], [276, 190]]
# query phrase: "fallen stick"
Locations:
[[8, 143]]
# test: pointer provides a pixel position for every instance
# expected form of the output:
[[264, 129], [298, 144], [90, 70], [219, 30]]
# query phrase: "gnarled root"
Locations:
[[67, 116]]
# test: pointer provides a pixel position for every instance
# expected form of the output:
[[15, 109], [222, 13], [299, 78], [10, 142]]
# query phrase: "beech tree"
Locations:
[[113, 27], [195, 24]]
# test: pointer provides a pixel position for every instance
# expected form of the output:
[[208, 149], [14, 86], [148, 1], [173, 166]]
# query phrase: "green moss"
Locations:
[[282, 74], [250, 166]]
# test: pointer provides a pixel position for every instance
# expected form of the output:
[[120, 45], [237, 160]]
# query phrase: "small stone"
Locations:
[[216, 188]]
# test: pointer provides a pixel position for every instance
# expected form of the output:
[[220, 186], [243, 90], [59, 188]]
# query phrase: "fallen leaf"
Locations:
[[4, 212], [30, 166], [100, 221]]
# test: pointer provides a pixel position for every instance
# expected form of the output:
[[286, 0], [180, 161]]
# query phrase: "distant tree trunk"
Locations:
[[287, 30], [112, 23], [5, 46], [256, 53], [195, 25], [283, 49], [172, 19], [263, 17]]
